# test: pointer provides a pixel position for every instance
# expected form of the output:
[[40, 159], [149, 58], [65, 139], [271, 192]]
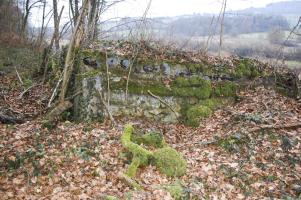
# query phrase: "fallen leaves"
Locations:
[[82, 161]]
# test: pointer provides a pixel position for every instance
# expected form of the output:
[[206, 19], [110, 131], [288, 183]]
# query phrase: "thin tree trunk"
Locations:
[[222, 28], [56, 26], [74, 43]]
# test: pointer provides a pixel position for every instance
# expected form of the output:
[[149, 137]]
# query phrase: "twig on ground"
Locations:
[[19, 77], [27, 90], [266, 127], [54, 93]]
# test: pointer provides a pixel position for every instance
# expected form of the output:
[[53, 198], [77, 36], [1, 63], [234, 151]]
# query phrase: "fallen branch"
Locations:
[[162, 101], [8, 116], [19, 77], [27, 90], [58, 110], [54, 93], [266, 127]]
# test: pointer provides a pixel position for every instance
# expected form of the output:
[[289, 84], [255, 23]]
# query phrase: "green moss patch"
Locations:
[[191, 87], [196, 113], [177, 191], [167, 160], [170, 162], [246, 68], [233, 143], [181, 87], [225, 89], [149, 139]]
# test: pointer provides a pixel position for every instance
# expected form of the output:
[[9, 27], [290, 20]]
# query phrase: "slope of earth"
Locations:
[[229, 156]]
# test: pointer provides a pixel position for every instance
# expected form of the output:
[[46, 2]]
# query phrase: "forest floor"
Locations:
[[228, 156]]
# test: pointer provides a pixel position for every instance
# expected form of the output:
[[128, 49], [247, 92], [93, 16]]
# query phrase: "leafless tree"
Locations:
[[27, 8], [222, 28]]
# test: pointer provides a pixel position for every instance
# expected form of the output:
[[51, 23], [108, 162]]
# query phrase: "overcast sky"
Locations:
[[159, 8], [181, 7]]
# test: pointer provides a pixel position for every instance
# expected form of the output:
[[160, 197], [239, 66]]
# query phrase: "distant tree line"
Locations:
[[10, 18], [233, 24]]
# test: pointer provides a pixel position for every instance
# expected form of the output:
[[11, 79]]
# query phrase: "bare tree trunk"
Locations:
[[56, 26], [76, 39], [41, 36], [27, 8], [222, 28]]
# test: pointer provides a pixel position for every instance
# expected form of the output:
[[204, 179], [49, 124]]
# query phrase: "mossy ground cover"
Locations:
[[167, 160], [246, 68]]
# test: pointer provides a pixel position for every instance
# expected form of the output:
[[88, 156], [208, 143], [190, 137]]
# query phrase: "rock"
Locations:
[[116, 79], [165, 69], [171, 118], [148, 68], [112, 62], [91, 62], [125, 64], [297, 188], [157, 69], [156, 111], [206, 78]]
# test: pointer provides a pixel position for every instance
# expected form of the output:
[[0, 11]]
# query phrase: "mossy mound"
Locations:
[[246, 68], [166, 159], [225, 89], [149, 139], [177, 191], [170, 162], [196, 113], [140, 155]]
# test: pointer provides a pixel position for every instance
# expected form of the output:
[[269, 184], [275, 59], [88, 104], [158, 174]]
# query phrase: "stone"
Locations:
[[112, 62], [91, 62], [165, 69], [125, 64], [148, 68]]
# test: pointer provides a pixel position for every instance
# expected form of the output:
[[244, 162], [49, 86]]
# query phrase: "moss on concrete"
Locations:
[[196, 113], [141, 87], [246, 68], [191, 87], [149, 139], [225, 89], [170, 162], [167, 160], [140, 155], [181, 87]]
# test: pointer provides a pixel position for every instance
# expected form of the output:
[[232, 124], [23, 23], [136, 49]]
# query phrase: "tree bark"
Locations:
[[76, 39], [56, 26]]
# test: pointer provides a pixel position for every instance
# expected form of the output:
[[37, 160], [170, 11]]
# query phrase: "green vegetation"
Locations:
[[140, 155], [191, 87], [177, 191], [108, 197], [149, 139], [196, 113], [225, 89], [166, 159], [182, 87], [170, 162], [246, 68], [25, 57], [233, 143]]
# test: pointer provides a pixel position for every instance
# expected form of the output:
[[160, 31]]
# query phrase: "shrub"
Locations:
[[170, 162]]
